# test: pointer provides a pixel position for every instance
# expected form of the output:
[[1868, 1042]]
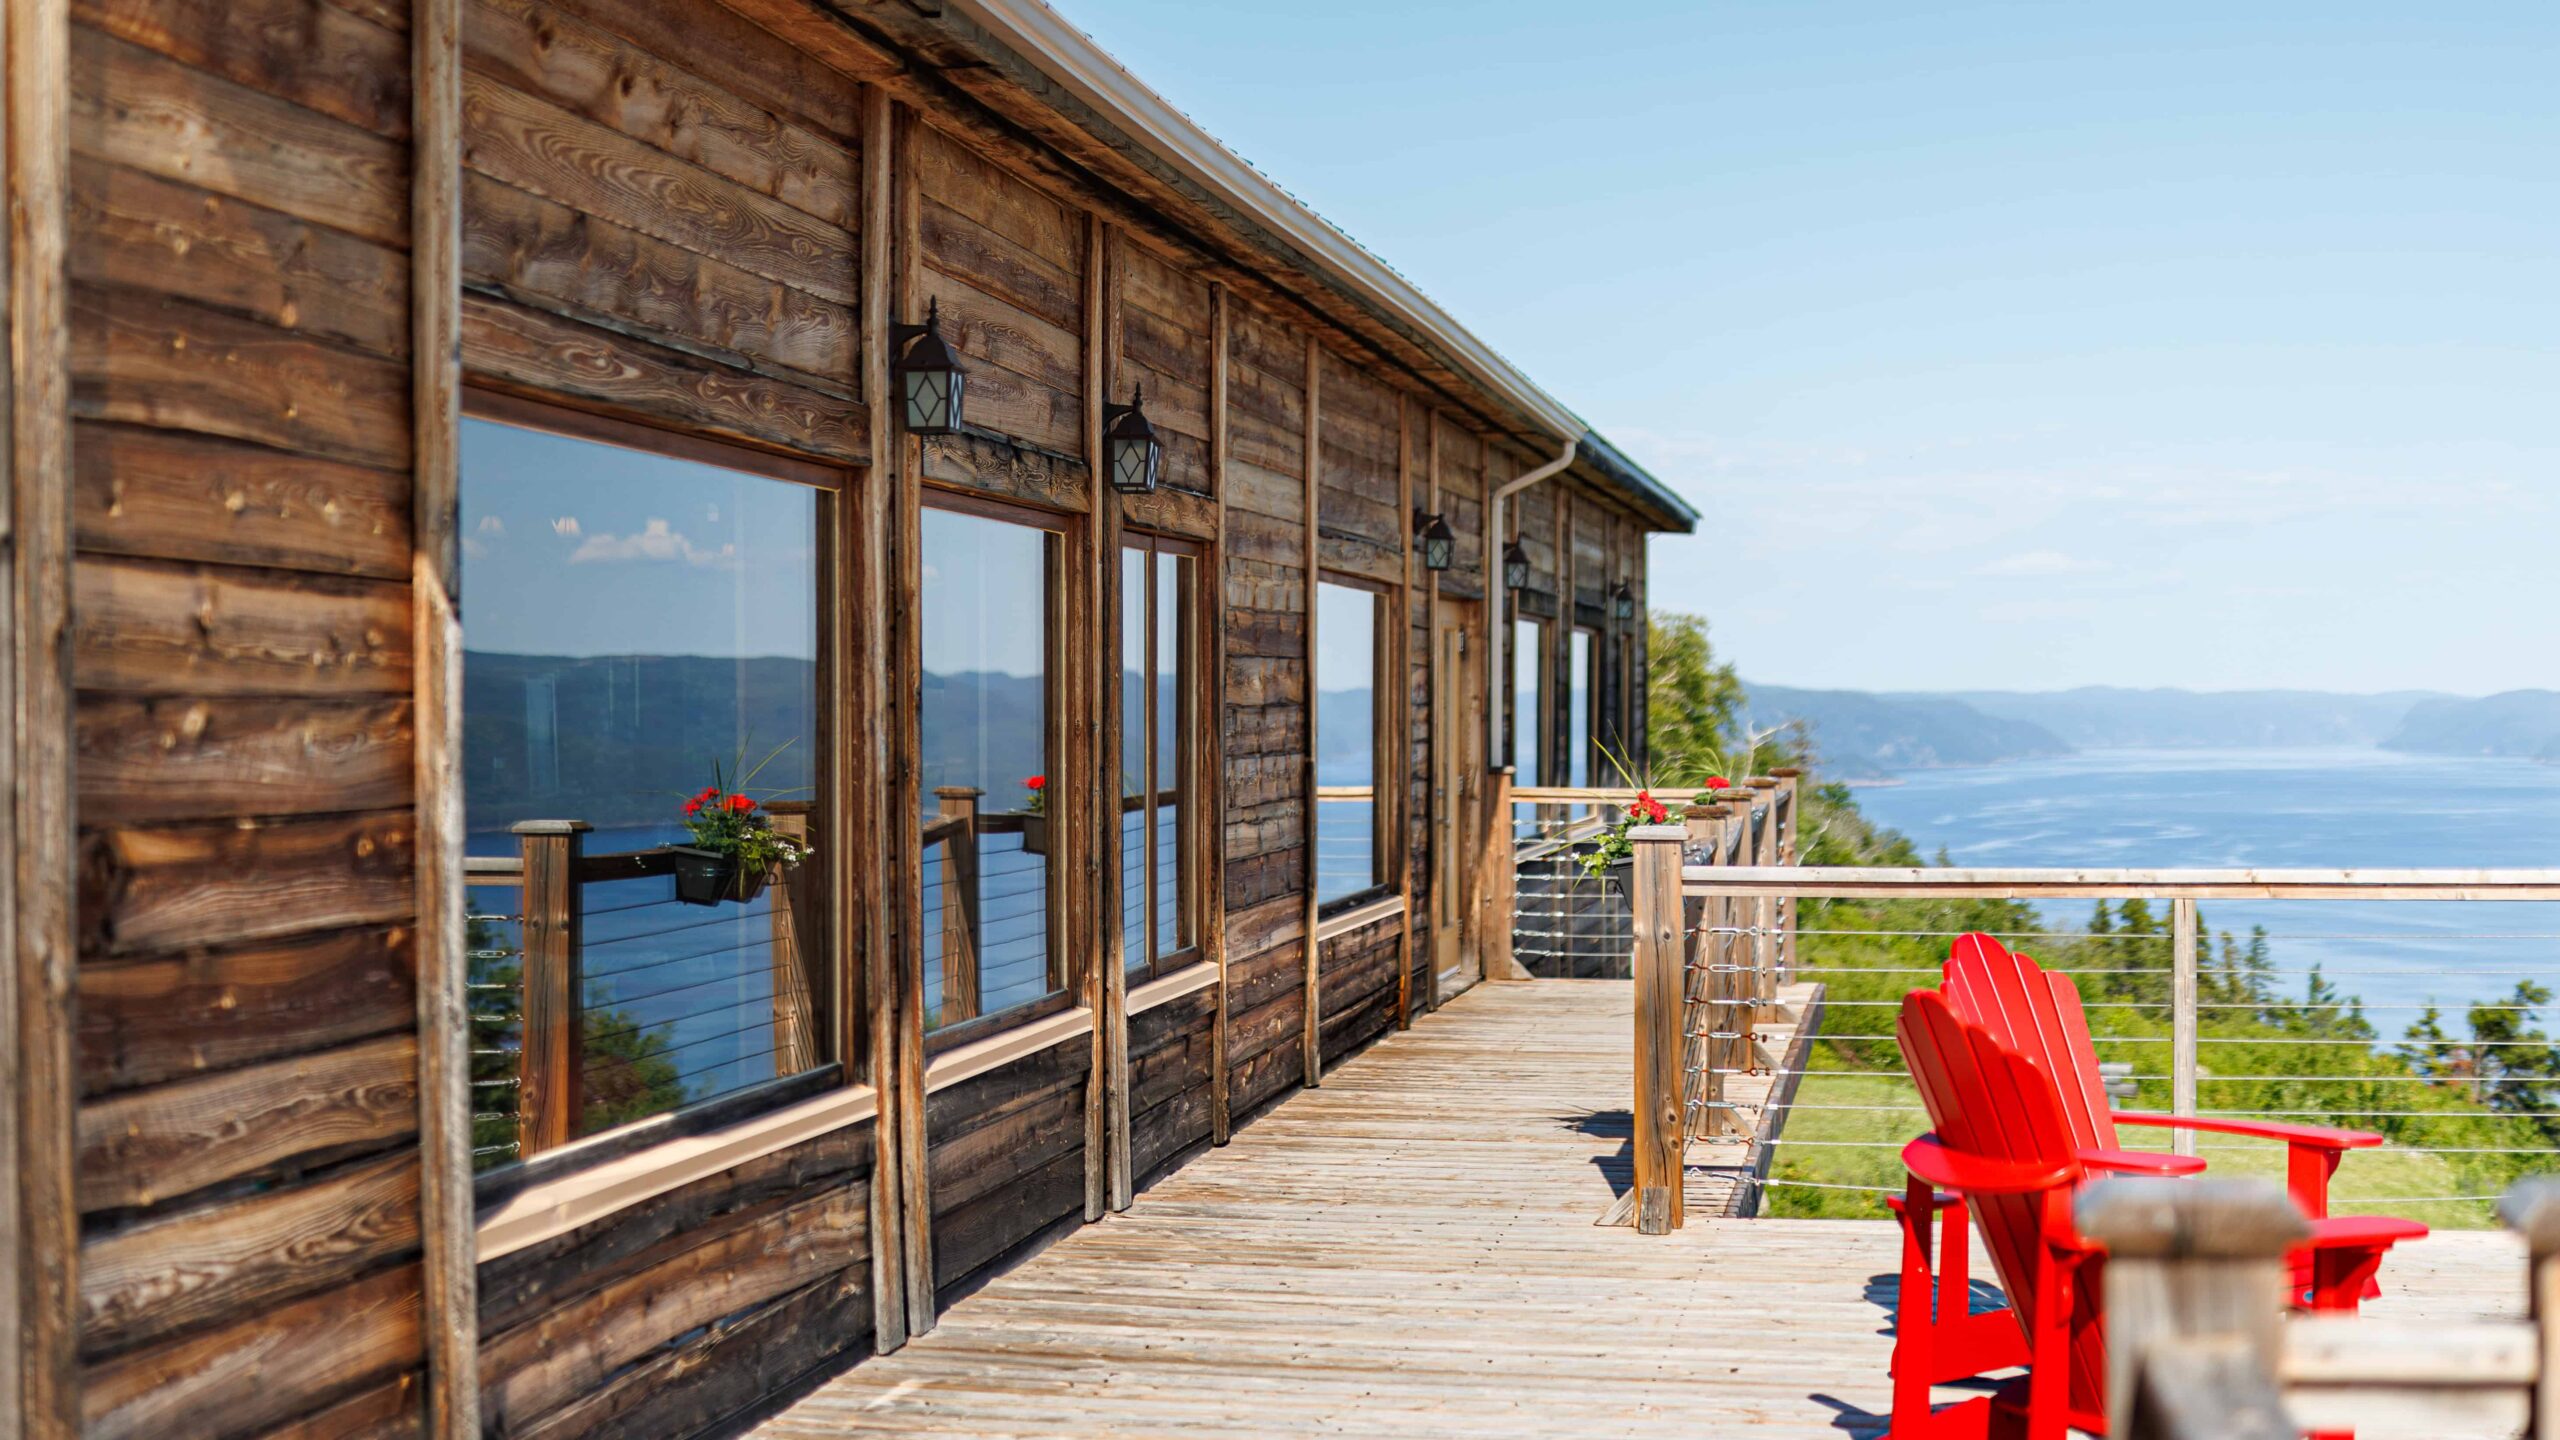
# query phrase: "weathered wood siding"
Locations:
[[665, 208], [241, 496]]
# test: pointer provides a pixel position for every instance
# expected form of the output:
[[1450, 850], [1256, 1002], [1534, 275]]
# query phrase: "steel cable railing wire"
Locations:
[[2466, 1090]]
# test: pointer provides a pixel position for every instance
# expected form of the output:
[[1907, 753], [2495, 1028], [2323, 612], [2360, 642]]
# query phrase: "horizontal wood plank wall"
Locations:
[[1360, 535], [671, 229], [241, 488], [1462, 492], [1266, 706]]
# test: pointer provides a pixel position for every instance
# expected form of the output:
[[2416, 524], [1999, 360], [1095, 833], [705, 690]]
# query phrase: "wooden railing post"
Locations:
[[552, 1093], [959, 900], [797, 921], [1497, 887], [2195, 1287], [1790, 802], [1764, 911], [2182, 1020], [2532, 1209], [1660, 1129]]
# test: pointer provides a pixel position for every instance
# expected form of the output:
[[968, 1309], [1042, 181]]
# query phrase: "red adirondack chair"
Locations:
[[2037, 1013], [2003, 1151]]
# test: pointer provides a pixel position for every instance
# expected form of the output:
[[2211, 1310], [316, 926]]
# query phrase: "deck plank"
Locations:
[[1411, 1251]]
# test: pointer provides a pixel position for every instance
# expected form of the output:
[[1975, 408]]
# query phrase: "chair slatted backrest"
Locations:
[[1988, 1100], [2036, 1013]]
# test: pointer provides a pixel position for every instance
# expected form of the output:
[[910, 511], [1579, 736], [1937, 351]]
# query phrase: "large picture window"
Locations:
[[1159, 910], [988, 733], [1528, 713], [643, 758], [1351, 859]]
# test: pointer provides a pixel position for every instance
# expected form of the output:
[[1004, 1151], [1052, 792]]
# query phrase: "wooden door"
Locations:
[[1457, 795]]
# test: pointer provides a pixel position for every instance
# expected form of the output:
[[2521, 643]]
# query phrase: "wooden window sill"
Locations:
[[539, 1212], [965, 1062], [1384, 908], [1165, 989]]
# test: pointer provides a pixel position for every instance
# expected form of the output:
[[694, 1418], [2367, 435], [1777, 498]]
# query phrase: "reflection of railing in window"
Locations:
[[1347, 841], [986, 906], [604, 1013]]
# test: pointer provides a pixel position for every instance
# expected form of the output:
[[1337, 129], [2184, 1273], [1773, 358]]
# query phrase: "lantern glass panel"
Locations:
[[1435, 553], [933, 400], [1134, 464]]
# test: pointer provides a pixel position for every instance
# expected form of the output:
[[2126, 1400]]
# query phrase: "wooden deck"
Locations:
[[1411, 1251]]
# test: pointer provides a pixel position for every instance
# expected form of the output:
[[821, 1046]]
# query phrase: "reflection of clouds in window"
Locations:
[[657, 540], [638, 581], [984, 595]]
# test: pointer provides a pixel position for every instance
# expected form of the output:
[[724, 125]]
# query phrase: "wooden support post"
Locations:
[[2195, 1285], [867, 734], [1213, 646], [552, 1095], [1311, 1035], [957, 808], [2182, 1020], [40, 1313], [2532, 1210], [450, 1275], [1660, 1132], [1399, 776], [1102, 896], [796, 908]]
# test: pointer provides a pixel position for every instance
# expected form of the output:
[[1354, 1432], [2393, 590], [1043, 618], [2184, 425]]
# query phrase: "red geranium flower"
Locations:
[[1718, 782], [1036, 782], [693, 807], [1647, 809], [741, 804]]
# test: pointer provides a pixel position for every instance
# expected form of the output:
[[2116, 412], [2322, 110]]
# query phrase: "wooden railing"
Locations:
[[2199, 1347], [551, 872], [1712, 922]]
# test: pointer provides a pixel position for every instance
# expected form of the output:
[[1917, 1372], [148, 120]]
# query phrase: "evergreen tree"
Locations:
[[2516, 1067], [2102, 923]]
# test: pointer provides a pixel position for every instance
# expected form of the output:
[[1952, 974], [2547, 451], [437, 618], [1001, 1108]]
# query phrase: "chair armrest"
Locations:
[[1975, 1174], [2140, 1162], [2319, 1136]]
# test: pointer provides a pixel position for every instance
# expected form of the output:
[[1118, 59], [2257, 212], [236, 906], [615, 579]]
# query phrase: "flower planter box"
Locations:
[[706, 877], [1035, 833]]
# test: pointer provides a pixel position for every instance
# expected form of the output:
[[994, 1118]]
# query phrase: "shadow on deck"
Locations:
[[1411, 1251]]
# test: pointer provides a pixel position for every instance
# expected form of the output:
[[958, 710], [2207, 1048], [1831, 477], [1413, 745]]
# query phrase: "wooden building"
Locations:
[[361, 348]]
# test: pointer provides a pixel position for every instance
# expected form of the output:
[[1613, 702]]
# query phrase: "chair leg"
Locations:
[[1915, 1317], [2049, 1372]]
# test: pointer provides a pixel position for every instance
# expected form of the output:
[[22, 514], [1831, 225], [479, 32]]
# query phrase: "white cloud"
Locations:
[[566, 525], [656, 540], [492, 525]]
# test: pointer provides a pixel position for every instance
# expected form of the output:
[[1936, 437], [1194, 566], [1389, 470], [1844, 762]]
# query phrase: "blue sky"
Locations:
[[2002, 345]]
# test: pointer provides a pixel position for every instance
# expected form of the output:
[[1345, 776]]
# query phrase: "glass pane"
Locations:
[[1346, 741], [1173, 930], [984, 724], [641, 627], [1527, 712], [1134, 578]]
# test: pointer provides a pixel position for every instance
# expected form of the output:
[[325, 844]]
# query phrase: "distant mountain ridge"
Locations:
[[1862, 734], [2108, 717], [2519, 723]]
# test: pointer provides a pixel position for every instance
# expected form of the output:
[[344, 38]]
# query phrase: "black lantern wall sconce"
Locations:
[[931, 385], [1438, 543], [1130, 449]]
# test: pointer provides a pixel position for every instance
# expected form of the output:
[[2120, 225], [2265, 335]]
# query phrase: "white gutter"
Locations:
[[1500, 593], [1083, 69]]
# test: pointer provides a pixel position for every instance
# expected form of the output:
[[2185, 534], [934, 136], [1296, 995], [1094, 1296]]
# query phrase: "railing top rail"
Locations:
[[1839, 882], [1621, 794]]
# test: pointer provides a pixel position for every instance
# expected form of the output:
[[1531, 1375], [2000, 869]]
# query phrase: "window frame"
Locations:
[[1194, 699], [843, 1022], [1538, 726], [1063, 535], [1382, 613]]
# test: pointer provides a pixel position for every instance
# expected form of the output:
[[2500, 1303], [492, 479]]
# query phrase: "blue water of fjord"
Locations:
[[2280, 809]]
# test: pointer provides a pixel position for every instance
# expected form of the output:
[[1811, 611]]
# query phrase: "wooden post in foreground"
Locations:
[[2195, 1282], [1659, 1124], [1497, 900], [2182, 1020], [552, 1093], [2532, 1210]]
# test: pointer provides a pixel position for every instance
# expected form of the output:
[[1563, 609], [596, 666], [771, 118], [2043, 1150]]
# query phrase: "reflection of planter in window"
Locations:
[[735, 848], [1031, 825]]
